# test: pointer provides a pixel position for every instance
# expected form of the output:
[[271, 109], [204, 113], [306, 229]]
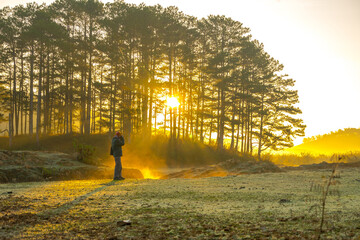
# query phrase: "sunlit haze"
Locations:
[[317, 41]]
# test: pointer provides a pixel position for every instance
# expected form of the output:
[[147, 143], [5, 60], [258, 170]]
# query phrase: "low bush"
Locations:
[[84, 152]]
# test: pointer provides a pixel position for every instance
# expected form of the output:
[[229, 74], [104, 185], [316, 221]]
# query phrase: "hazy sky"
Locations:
[[318, 41]]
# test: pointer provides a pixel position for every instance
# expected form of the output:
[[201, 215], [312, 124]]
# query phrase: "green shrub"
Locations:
[[84, 152]]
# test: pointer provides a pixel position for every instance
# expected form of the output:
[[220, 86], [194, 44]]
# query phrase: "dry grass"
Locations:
[[258, 206]]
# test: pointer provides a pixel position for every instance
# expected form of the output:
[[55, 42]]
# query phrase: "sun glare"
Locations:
[[148, 174], [172, 102]]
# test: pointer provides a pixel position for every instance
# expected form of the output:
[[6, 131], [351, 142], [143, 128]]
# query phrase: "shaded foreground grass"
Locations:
[[259, 206]]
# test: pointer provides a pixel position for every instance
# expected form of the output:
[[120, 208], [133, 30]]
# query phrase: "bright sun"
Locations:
[[172, 102]]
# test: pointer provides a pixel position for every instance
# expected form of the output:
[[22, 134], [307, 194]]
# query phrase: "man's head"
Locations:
[[118, 134]]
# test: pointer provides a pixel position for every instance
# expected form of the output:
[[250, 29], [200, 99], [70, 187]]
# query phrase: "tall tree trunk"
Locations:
[[10, 130], [190, 109], [38, 115], [31, 109], [88, 108], [83, 123], [47, 96], [220, 144], [261, 126], [242, 126], [71, 102], [101, 99], [51, 95], [171, 89], [67, 76], [233, 127], [21, 94], [218, 117], [151, 102], [248, 127], [145, 95], [233, 119], [251, 131], [67, 94], [88, 104], [111, 102], [82, 109], [114, 97], [238, 126], [198, 113], [14, 97], [165, 121], [93, 121], [202, 109], [210, 130]]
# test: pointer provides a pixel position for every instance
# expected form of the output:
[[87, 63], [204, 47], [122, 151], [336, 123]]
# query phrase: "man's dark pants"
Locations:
[[118, 168]]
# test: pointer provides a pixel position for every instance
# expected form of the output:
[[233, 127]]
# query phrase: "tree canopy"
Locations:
[[88, 67]]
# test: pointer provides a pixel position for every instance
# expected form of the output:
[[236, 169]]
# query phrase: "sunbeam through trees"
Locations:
[[88, 67]]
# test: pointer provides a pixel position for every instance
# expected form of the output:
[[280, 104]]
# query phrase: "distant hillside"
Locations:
[[341, 141]]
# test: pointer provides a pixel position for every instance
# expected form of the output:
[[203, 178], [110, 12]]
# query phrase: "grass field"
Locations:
[[258, 206]]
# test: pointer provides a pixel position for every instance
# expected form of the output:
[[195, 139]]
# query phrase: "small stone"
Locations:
[[113, 238], [284, 201], [123, 223]]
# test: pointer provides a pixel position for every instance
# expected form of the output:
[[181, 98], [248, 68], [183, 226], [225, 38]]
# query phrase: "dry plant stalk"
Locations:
[[325, 194]]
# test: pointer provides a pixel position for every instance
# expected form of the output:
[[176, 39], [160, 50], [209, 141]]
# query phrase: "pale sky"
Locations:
[[318, 42]]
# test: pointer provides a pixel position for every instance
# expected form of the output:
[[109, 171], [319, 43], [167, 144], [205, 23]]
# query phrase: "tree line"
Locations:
[[87, 67]]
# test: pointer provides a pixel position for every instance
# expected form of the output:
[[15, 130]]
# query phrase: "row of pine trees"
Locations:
[[87, 67]]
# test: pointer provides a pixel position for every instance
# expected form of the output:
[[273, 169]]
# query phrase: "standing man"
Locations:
[[116, 150]]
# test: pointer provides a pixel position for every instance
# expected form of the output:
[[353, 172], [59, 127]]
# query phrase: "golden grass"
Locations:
[[258, 206]]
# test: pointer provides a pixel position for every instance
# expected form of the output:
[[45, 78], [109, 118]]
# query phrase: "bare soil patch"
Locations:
[[231, 167]]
